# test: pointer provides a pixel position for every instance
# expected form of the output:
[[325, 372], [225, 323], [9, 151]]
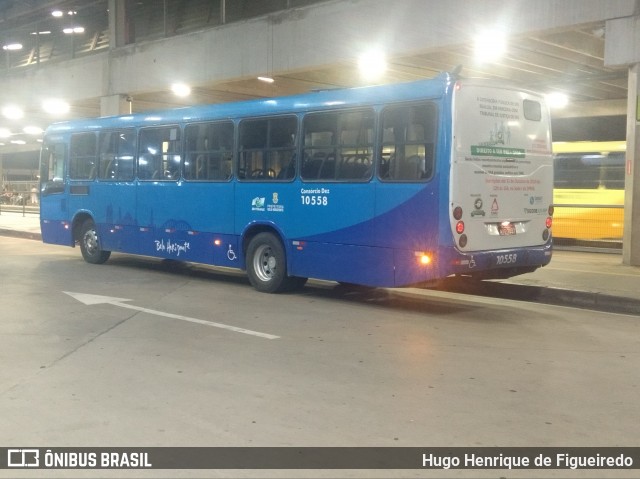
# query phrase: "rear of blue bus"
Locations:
[[501, 182]]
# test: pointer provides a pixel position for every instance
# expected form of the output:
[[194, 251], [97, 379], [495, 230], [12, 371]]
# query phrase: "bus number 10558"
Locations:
[[314, 200]]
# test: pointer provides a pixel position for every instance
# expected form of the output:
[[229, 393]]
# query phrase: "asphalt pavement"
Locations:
[[592, 280]]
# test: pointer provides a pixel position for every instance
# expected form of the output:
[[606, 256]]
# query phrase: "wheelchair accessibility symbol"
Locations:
[[231, 254]]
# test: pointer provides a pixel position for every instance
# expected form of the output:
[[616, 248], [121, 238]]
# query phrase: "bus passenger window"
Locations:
[[408, 143], [338, 146], [82, 156], [116, 152], [208, 151], [159, 154], [267, 149]]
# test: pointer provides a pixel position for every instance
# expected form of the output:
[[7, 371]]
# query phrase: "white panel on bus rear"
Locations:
[[501, 166]]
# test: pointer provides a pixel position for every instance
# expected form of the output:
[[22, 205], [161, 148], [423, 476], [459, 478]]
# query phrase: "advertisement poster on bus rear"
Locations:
[[502, 164]]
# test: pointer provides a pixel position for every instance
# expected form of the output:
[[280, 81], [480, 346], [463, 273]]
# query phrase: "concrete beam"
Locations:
[[622, 41], [331, 33]]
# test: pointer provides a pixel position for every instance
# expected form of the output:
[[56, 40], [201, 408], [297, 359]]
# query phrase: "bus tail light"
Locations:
[[423, 258], [551, 210], [462, 241], [460, 227], [549, 222], [457, 213]]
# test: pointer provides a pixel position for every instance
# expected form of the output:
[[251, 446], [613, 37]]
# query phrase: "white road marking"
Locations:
[[91, 299]]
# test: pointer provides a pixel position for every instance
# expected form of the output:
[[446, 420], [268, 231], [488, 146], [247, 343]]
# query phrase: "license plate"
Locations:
[[506, 230], [506, 259]]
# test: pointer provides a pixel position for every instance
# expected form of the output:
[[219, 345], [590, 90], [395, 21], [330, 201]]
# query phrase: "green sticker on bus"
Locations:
[[479, 150]]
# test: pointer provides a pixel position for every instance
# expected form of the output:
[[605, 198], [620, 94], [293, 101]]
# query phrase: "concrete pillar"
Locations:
[[115, 105], [631, 237], [120, 31]]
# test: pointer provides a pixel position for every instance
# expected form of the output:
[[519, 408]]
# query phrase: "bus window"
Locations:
[[532, 110], [116, 155], [267, 149], [159, 154], [338, 146], [52, 168], [82, 156], [408, 143], [613, 170], [208, 151], [589, 170]]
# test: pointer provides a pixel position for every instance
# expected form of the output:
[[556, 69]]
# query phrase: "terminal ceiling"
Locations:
[[570, 61]]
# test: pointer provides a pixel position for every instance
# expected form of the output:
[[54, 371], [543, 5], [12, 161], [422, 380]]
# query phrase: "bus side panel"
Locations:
[[181, 220], [112, 205], [320, 224], [406, 221], [364, 265], [54, 220]]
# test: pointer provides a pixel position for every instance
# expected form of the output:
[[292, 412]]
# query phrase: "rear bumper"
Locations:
[[497, 263]]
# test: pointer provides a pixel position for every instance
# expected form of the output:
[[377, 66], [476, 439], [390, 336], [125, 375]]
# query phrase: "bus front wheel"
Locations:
[[90, 247], [267, 265]]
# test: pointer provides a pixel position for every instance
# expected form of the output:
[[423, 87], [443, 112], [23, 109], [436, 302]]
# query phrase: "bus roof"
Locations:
[[317, 100]]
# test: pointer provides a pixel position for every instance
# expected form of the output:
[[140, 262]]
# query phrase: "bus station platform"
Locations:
[[591, 280]]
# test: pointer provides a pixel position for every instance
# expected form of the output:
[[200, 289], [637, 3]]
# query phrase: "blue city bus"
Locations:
[[382, 186]]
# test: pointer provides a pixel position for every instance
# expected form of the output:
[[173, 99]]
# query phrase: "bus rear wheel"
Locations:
[[90, 247], [267, 265]]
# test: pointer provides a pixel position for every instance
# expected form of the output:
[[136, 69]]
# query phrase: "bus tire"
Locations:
[[90, 244], [267, 265]]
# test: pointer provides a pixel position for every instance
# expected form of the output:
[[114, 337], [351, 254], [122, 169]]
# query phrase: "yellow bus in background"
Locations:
[[589, 190]]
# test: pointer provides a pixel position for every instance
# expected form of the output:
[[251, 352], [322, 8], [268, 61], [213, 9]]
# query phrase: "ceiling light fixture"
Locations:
[[490, 46], [372, 64], [55, 106], [181, 89], [12, 46], [12, 112], [557, 100], [266, 79], [32, 130], [71, 30]]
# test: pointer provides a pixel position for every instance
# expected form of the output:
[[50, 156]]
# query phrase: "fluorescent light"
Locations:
[[5, 133], [18, 142], [12, 112], [57, 13], [372, 64], [266, 79], [557, 100], [490, 46], [32, 130], [12, 46], [71, 30], [55, 106], [181, 89]]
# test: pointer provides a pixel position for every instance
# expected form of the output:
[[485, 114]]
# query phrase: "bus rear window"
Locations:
[[532, 110]]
